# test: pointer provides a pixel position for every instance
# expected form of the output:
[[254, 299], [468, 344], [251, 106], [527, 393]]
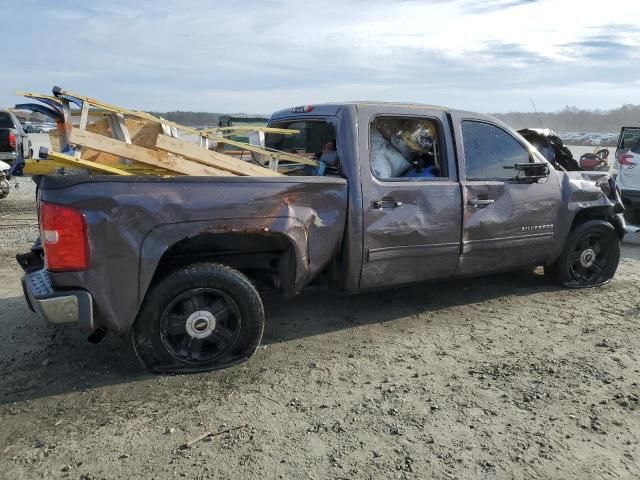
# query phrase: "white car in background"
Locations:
[[626, 171]]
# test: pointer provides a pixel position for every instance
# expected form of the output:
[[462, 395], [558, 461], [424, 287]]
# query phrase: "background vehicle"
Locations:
[[418, 193], [598, 160], [14, 141], [4, 179], [627, 172]]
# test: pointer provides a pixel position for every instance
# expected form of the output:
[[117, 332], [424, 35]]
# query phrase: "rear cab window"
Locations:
[[406, 148], [316, 140]]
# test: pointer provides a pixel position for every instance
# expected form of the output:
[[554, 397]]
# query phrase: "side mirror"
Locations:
[[529, 172]]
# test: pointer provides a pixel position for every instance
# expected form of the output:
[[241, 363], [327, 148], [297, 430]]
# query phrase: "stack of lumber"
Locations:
[[127, 142]]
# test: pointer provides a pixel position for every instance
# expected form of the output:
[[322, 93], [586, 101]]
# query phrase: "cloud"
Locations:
[[260, 56], [487, 6]]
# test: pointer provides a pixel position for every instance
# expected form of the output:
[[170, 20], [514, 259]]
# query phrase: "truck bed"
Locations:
[[133, 221]]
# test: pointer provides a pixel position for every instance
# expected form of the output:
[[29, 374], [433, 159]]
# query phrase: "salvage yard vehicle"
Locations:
[[627, 173], [14, 141], [406, 193], [5, 188]]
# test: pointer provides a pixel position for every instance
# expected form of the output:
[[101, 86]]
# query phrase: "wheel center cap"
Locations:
[[200, 324], [587, 258]]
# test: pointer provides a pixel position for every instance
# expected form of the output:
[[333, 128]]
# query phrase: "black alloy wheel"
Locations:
[[590, 257], [199, 317], [200, 325]]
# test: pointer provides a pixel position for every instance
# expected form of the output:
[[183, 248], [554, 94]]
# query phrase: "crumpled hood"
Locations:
[[591, 187]]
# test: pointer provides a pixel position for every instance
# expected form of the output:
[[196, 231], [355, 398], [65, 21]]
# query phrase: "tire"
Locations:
[[590, 257], [200, 317]]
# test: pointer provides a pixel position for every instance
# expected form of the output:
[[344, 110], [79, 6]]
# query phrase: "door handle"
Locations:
[[385, 203], [479, 202]]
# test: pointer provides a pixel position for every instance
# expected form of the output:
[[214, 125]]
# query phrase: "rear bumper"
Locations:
[[7, 156], [57, 307]]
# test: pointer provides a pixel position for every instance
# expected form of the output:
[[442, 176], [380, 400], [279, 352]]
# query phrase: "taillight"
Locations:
[[12, 140], [625, 161], [64, 237]]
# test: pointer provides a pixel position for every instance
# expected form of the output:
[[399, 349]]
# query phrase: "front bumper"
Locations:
[[57, 307]]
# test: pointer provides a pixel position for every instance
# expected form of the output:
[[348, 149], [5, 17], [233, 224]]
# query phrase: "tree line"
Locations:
[[573, 119]]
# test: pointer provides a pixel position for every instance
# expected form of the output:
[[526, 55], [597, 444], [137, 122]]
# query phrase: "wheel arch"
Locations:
[[263, 257], [599, 212], [277, 253]]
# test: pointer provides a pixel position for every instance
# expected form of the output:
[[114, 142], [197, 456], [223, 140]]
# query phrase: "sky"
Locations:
[[257, 56]]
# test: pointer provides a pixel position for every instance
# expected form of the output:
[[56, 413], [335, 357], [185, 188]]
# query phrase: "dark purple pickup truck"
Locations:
[[403, 194]]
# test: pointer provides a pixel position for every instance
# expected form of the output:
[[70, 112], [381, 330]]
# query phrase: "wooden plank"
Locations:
[[281, 156], [275, 154], [41, 167], [142, 155], [37, 96], [79, 163], [133, 167], [211, 158], [242, 128], [84, 115], [122, 127], [66, 126]]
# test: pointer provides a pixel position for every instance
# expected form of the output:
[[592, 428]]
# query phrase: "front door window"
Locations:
[[488, 149]]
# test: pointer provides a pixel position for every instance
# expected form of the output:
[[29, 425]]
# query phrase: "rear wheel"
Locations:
[[201, 317], [590, 257]]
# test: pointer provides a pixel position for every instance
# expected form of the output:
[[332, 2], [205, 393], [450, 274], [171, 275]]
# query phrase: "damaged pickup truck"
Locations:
[[406, 193]]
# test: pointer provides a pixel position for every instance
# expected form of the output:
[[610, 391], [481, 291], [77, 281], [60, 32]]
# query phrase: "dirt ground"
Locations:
[[505, 376]]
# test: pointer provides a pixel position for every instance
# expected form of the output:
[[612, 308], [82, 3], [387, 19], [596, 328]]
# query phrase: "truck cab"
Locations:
[[469, 209]]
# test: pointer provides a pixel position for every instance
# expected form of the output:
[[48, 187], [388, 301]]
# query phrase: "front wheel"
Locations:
[[200, 317], [590, 257]]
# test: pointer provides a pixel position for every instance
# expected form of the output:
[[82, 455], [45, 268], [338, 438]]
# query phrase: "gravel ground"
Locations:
[[505, 377], [18, 219]]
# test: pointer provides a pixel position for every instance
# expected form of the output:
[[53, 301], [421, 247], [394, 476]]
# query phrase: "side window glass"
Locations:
[[406, 148], [631, 140], [487, 149]]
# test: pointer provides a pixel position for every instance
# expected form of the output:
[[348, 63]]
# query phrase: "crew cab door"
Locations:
[[506, 223], [412, 226]]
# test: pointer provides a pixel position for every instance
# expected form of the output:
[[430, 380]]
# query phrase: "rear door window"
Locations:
[[488, 149], [406, 148]]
